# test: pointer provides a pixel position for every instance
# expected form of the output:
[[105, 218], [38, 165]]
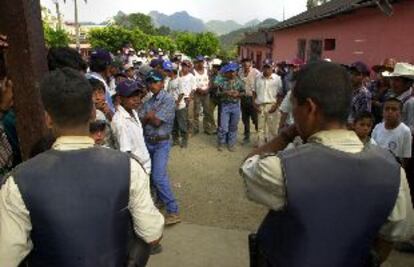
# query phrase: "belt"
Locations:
[[157, 138]]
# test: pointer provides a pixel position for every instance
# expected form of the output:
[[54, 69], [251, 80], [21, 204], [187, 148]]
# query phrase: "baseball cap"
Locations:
[[101, 54], [186, 63], [156, 62], [153, 77], [199, 58], [128, 66], [216, 62], [167, 65], [268, 63], [360, 67], [128, 87], [230, 67]]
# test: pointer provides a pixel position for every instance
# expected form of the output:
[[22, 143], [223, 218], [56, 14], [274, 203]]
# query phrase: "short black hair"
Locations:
[[364, 115], [97, 126], [61, 57], [67, 97], [244, 60], [394, 99], [328, 85], [96, 84]]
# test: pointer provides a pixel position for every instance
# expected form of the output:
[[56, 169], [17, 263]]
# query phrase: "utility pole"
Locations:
[[77, 27], [59, 17], [26, 64]]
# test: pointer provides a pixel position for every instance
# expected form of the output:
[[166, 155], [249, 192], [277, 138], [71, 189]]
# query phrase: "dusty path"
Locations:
[[217, 216]]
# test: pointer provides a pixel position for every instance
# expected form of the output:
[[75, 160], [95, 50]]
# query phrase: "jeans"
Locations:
[[229, 120], [248, 113], [159, 153]]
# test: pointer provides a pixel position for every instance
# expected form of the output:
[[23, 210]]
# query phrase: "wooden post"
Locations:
[[26, 64]]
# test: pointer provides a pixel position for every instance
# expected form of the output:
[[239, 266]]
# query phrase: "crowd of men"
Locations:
[[144, 103]]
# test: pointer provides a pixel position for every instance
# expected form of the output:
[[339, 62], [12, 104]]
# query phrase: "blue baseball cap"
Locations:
[[230, 67], [101, 54], [154, 77], [199, 58], [128, 87], [360, 67], [167, 65], [156, 62]]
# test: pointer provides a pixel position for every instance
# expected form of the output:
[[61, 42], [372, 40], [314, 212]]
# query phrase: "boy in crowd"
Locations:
[[361, 99], [392, 134], [157, 116], [248, 74], [363, 124], [267, 95], [126, 124], [202, 97], [187, 84], [181, 113], [231, 88], [105, 136]]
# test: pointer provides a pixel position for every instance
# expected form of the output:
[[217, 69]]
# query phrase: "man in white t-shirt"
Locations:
[[248, 75], [267, 95], [126, 124], [392, 134], [187, 84], [180, 128], [202, 97]]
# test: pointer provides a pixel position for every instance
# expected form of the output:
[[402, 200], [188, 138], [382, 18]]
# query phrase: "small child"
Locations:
[[97, 131], [103, 116], [363, 124], [392, 134]]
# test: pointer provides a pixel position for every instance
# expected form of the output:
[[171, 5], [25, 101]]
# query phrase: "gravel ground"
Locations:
[[210, 191]]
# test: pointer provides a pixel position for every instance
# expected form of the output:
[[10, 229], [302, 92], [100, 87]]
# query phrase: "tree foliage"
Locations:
[[163, 42], [55, 37], [136, 21], [113, 38], [194, 44]]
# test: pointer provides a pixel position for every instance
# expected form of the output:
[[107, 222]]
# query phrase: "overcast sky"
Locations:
[[240, 10]]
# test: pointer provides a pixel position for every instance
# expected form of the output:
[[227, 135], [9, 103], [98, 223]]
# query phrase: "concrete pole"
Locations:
[[77, 27]]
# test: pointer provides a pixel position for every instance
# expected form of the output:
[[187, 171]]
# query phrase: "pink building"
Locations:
[[256, 46], [346, 31]]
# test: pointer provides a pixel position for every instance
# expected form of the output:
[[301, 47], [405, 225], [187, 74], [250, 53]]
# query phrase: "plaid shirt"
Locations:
[[361, 101], [224, 85], [163, 104]]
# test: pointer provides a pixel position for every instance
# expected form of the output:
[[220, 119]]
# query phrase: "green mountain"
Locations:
[[230, 40], [222, 27]]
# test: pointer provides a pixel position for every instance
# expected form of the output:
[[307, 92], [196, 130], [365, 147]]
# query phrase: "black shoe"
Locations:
[[407, 247], [246, 141], [156, 249]]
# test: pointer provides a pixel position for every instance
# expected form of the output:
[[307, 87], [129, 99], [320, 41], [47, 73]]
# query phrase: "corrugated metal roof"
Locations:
[[256, 38], [330, 9]]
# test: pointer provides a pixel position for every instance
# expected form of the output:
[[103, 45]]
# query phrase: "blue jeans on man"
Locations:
[[159, 153], [229, 120]]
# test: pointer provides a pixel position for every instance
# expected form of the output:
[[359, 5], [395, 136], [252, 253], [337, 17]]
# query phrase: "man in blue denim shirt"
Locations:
[[157, 116]]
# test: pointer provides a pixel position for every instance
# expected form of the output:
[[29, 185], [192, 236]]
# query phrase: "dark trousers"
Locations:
[[138, 251], [409, 169], [248, 113], [180, 125]]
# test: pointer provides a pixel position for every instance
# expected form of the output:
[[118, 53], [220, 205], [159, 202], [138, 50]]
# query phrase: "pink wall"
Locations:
[[366, 34], [246, 51]]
